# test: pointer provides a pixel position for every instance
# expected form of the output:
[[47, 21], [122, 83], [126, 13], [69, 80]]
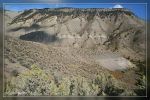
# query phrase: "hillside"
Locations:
[[79, 43]]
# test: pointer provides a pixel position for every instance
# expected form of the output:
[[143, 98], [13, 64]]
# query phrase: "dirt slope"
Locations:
[[72, 42]]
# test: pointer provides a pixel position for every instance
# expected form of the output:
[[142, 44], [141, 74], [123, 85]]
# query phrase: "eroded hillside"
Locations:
[[79, 42]]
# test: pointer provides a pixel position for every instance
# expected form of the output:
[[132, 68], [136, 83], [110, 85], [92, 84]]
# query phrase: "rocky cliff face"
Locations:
[[116, 29]]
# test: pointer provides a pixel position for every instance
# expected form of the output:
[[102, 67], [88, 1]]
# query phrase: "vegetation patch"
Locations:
[[36, 82]]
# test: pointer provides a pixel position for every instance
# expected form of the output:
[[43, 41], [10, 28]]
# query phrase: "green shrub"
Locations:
[[36, 82], [33, 82], [141, 83], [80, 86], [113, 87], [64, 87], [53, 89]]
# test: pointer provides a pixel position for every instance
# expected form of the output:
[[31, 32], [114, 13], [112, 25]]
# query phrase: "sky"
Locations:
[[138, 9]]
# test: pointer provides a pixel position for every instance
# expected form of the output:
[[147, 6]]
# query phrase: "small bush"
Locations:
[[81, 86], [142, 86], [64, 87], [113, 87], [15, 73]]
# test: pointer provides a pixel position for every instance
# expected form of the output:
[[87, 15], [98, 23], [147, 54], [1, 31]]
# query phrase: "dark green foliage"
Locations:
[[141, 83], [111, 90]]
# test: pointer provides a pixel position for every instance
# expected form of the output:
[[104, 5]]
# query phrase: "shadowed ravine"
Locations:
[[39, 36]]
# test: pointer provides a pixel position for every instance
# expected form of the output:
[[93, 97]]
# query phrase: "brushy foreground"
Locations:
[[36, 82]]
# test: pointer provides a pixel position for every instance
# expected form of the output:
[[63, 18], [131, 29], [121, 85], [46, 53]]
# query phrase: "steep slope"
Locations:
[[84, 42], [61, 62], [10, 15], [118, 29]]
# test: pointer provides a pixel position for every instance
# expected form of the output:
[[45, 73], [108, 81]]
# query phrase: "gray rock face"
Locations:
[[117, 29]]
